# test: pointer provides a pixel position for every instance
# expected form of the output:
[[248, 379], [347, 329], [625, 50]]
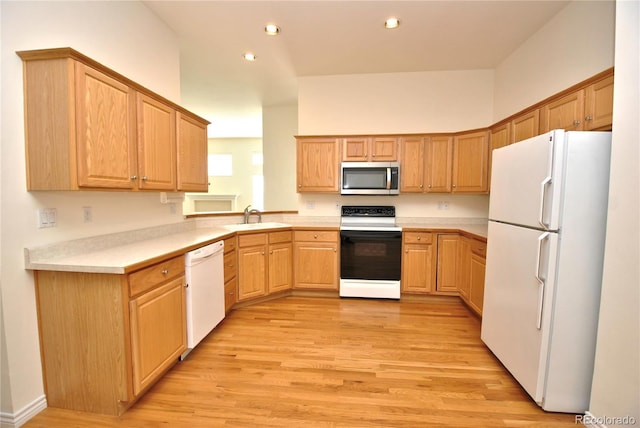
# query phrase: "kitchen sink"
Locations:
[[255, 226]]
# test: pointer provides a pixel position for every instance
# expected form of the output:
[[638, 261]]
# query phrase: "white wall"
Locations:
[[280, 125], [436, 101], [127, 37], [616, 380], [576, 44]]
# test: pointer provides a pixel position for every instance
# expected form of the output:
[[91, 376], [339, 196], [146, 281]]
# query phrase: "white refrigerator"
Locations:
[[545, 247]]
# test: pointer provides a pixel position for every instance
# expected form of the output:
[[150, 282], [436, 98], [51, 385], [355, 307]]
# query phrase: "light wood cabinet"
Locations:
[[120, 331], [156, 144], [598, 110], [90, 128], [370, 149], [264, 261], [418, 263], [470, 152], [318, 165], [499, 136], [426, 164], [316, 259], [448, 263], [589, 108], [524, 126], [472, 262], [192, 148], [230, 262]]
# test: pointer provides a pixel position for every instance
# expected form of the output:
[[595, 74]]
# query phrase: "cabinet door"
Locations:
[[412, 165], [192, 155], [316, 265], [417, 268], [252, 272], [317, 165], [476, 293], [355, 149], [565, 113], [384, 149], [525, 126], [463, 279], [438, 153], [498, 137], [158, 332], [105, 131], [447, 263], [598, 111], [156, 144], [470, 153], [280, 273]]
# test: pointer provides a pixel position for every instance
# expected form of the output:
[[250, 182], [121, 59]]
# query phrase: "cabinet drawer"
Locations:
[[230, 244], [230, 294], [418, 237], [252, 240], [479, 248], [277, 237], [316, 235], [230, 266], [148, 278]]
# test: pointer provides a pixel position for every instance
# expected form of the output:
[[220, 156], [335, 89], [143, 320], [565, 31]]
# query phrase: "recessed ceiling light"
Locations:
[[271, 29], [249, 56], [392, 23]]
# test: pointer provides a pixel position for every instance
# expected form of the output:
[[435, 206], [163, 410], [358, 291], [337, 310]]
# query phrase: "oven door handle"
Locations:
[[371, 234]]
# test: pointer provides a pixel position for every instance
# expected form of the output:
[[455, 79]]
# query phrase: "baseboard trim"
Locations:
[[19, 418]]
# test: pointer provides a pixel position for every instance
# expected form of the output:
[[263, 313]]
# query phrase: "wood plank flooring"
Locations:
[[329, 362]]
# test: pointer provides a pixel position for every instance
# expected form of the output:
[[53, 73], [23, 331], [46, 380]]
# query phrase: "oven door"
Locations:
[[370, 255]]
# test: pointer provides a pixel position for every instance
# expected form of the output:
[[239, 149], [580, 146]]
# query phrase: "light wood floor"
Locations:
[[329, 362]]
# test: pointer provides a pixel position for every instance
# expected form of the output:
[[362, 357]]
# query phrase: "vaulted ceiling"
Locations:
[[328, 38]]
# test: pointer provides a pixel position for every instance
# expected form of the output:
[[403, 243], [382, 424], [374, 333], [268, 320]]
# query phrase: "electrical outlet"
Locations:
[[87, 214], [47, 217], [443, 205]]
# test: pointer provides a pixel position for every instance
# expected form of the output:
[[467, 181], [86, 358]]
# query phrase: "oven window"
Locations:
[[370, 255]]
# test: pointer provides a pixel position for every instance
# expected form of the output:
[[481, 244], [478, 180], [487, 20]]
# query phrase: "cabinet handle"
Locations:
[[165, 271], [576, 122], [134, 177]]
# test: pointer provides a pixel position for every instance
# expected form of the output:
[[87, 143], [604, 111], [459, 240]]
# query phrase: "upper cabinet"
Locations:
[[426, 164], [370, 149], [525, 125], [586, 108], [470, 152], [88, 127], [318, 163]]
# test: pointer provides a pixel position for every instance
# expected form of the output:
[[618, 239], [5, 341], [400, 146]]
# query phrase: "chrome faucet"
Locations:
[[248, 213]]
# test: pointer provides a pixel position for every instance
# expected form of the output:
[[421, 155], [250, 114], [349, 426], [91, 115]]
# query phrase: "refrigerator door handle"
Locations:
[[543, 186], [541, 239]]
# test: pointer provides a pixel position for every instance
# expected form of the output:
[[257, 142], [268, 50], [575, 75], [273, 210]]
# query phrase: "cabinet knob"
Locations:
[[262, 252], [419, 238], [429, 186], [144, 178], [335, 251], [454, 186], [576, 122], [587, 118], [299, 186], [315, 236], [421, 186], [165, 271], [134, 177]]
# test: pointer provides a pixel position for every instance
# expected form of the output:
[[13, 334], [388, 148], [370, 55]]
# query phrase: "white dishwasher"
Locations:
[[204, 275]]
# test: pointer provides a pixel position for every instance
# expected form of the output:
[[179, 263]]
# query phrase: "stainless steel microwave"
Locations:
[[370, 178]]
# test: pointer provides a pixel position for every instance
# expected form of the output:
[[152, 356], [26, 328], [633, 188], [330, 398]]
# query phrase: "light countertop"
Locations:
[[124, 252]]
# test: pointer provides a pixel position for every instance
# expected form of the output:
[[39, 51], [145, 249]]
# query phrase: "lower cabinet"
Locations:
[[264, 264], [105, 338], [418, 263], [230, 273], [448, 264], [316, 259], [472, 258]]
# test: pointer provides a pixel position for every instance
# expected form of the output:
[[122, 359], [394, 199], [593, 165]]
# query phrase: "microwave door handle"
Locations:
[[388, 178]]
